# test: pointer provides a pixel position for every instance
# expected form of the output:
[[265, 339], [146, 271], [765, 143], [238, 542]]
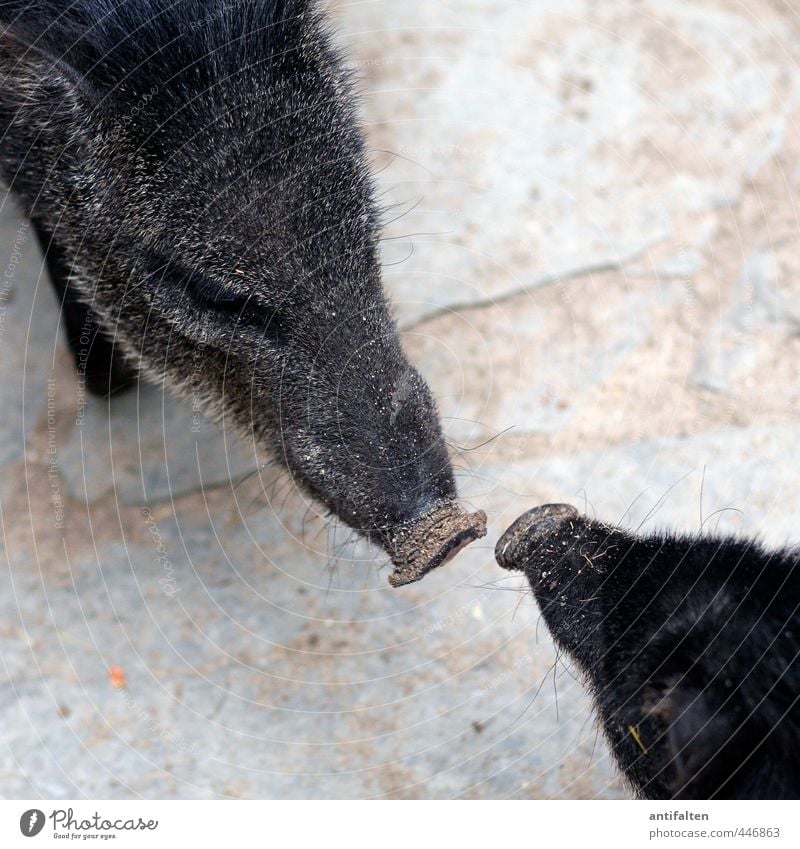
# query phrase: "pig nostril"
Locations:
[[516, 545]]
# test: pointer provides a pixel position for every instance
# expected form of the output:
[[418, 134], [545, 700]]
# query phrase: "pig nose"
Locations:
[[530, 532], [432, 539]]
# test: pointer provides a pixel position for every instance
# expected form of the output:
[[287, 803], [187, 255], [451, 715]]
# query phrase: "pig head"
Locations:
[[688, 645], [198, 178]]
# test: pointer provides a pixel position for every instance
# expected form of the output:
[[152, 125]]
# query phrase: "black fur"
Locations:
[[196, 174], [688, 644]]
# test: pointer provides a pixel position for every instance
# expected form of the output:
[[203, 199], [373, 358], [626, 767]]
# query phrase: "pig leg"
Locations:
[[102, 365]]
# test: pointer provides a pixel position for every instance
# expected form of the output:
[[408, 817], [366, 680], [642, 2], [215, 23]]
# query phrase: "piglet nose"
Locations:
[[531, 531], [432, 540]]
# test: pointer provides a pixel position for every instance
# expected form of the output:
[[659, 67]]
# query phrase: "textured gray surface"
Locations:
[[601, 203]]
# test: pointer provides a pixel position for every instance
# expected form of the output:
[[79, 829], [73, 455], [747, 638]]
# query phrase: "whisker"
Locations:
[[659, 503], [481, 444], [405, 158], [401, 261], [416, 203], [538, 690]]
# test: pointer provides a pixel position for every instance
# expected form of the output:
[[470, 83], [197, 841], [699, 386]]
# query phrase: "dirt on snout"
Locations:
[[529, 531], [433, 540]]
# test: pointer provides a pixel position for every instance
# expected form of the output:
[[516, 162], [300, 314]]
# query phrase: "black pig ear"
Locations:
[[700, 741]]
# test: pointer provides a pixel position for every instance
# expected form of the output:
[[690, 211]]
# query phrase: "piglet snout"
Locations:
[[432, 540], [530, 533]]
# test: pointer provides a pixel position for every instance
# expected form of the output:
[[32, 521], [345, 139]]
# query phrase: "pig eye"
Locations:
[[211, 296], [246, 309]]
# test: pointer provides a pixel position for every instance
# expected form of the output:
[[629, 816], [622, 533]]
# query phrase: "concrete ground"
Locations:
[[592, 248]]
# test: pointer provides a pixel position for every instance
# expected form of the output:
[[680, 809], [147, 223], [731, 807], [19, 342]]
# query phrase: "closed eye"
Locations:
[[246, 308], [209, 295]]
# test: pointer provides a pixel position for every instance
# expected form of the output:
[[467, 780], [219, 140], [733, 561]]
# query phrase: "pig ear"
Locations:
[[699, 738], [27, 49]]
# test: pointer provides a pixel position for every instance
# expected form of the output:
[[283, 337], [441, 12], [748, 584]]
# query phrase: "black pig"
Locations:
[[689, 646], [197, 178]]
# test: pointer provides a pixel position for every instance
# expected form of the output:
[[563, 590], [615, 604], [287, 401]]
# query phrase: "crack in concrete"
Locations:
[[542, 282]]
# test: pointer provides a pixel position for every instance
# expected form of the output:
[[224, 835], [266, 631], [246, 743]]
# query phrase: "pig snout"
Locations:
[[532, 538], [562, 554], [432, 540], [371, 449], [420, 528]]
